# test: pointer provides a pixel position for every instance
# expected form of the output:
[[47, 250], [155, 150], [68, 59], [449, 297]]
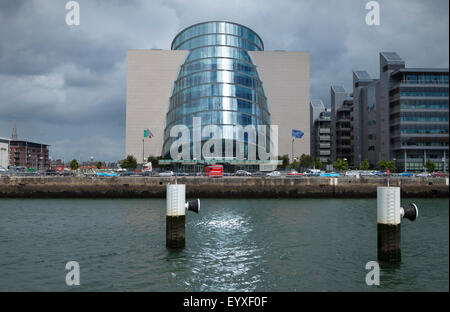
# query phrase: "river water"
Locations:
[[232, 245]]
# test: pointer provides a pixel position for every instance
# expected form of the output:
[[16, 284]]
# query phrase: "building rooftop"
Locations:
[[362, 75], [392, 57], [338, 89]]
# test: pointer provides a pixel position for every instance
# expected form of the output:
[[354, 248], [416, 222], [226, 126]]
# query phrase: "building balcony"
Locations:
[[324, 130], [397, 134]]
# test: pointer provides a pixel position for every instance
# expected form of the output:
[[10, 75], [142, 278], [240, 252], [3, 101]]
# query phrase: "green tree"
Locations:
[[294, 165], [99, 165], [386, 165], [340, 164], [285, 159], [390, 165], [382, 164], [74, 164], [306, 161], [431, 166], [364, 165], [154, 160], [129, 163], [318, 163]]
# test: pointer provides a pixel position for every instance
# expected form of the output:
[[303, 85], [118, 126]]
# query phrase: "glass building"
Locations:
[[217, 82]]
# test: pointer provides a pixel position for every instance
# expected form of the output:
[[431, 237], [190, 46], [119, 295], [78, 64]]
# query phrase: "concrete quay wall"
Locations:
[[224, 187]]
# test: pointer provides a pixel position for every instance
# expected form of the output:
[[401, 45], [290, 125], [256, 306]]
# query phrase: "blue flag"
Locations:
[[297, 134]]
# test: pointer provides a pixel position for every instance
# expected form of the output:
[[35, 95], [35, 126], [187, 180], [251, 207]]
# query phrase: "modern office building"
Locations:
[[341, 124], [217, 71], [401, 116], [344, 135], [320, 132], [4, 153]]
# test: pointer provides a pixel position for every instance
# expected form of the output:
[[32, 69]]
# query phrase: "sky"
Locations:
[[66, 85]]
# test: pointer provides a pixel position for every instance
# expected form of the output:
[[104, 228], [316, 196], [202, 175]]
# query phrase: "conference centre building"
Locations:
[[216, 78]]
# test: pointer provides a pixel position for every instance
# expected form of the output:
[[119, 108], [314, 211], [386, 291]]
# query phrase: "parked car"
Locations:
[[181, 174], [106, 174], [380, 173], [330, 174], [242, 173], [439, 174], [367, 173], [274, 174], [51, 172], [423, 175], [166, 174], [406, 174], [312, 172], [294, 173], [259, 174], [352, 174], [127, 173]]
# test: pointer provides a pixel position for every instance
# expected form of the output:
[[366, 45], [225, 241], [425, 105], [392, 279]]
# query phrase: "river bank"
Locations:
[[224, 187]]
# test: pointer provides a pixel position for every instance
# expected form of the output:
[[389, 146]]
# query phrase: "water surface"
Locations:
[[232, 245]]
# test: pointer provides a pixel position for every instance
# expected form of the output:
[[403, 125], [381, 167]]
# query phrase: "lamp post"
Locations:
[[26, 152]]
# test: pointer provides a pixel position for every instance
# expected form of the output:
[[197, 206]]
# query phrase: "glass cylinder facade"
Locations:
[[217, 82]]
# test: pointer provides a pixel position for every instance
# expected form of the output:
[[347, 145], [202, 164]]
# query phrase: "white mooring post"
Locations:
[[176, 214], [389, 215]]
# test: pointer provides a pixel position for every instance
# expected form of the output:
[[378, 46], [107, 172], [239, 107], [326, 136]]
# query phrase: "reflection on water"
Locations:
[[232, 245]]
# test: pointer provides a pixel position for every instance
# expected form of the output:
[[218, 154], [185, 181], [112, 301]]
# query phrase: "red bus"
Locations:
[[214, 171]]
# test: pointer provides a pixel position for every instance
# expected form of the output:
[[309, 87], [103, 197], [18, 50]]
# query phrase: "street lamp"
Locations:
[[26, 152]]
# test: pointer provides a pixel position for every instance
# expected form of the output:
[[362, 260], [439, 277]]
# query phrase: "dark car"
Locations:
[[259, 174], [51, 172], [127, 174]]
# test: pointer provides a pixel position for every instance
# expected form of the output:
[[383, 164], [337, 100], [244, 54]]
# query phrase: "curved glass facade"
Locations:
[[217, 82]]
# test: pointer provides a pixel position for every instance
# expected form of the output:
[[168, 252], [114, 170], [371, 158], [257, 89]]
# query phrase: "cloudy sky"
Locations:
[[66, 85]]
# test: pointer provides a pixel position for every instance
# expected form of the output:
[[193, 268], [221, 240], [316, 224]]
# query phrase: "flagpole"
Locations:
[[293, 149]]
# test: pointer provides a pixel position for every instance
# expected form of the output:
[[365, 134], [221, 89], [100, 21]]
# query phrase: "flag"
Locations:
[[148, 133], [297, 134]]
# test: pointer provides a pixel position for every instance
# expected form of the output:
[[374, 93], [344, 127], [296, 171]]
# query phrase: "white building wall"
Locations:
[[285, 77], [150, 78]]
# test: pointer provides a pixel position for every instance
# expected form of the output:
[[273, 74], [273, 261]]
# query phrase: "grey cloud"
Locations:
[[66, 86]]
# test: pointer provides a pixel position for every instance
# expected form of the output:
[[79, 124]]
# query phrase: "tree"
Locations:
[[340, 164], [285, 159], [306, 161], [154, 160], [364, 165], [99, 165], [74, 164], [386, 165], [318, 163], [391, 166], [294, 165], [431, 166], [129, 163]]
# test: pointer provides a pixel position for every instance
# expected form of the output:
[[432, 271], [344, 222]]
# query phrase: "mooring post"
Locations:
[[176, 214], [389, 214]]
